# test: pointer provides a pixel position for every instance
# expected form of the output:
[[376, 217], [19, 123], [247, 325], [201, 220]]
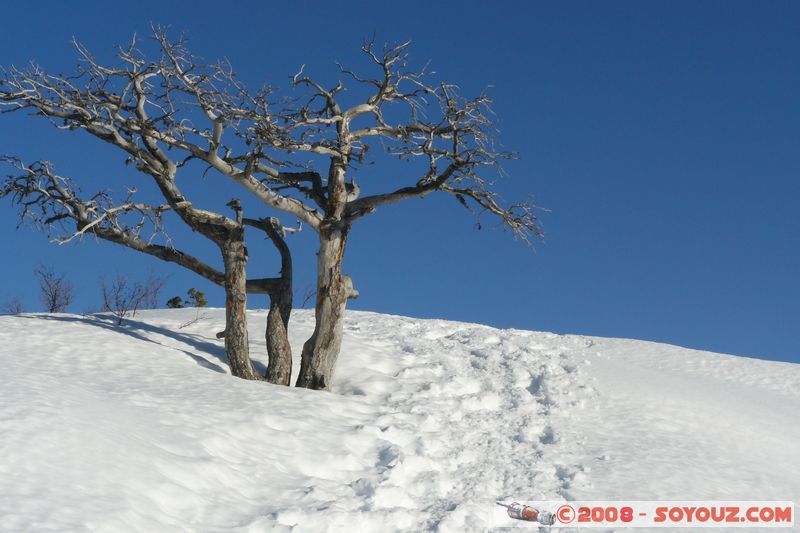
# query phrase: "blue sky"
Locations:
[[662, 137]]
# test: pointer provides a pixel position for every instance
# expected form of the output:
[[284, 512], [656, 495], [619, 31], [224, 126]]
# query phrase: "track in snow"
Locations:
[[139, 428]]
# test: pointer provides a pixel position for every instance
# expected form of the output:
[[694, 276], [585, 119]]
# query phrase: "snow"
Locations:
[[141, 428]]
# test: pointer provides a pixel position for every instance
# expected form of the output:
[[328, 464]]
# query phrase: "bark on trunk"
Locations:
[[333, 289], [279, 368], [234, 256]]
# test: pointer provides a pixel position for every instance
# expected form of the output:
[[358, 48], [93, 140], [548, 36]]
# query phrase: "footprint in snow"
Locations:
[[548, 436]]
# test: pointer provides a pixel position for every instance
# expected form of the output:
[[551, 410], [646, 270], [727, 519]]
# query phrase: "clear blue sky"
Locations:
[[663, 137]]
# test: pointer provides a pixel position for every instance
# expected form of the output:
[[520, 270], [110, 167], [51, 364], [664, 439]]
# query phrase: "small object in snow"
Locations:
[[529, 514]]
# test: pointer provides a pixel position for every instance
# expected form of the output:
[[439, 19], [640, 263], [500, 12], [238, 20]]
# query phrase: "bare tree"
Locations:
[[123, 297], [153, 285], [54, 203], [13, 306], [172, 109], [55, 291]]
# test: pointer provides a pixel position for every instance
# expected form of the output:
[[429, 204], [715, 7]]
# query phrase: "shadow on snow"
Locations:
[[136, 329]]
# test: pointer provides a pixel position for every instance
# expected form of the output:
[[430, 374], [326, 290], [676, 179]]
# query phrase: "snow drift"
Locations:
[[141, 428]]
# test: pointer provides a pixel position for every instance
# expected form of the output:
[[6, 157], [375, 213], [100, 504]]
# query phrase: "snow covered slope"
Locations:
[[140, 428]]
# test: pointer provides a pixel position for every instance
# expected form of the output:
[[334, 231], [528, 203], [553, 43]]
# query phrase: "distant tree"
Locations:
[[153, 286], [196, 299], [55, 292], [123, 297], [13, 306], [176, 302]]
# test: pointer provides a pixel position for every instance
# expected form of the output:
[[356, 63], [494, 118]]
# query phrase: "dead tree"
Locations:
[[123, 297], [55, 291], [452, 135], [12, 306], [152, 287], [173, 105], [54, 203]]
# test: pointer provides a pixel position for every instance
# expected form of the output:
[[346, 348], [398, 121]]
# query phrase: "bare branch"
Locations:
[[177, 103], [147, 107], [52, 202]]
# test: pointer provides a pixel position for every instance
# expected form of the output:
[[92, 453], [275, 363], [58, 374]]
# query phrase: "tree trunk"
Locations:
[[321, 350], [234, 256], [279, 368]]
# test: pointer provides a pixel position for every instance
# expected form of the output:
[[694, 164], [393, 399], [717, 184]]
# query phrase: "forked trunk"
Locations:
[[234, 257], [333, 289], [279, 368]]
